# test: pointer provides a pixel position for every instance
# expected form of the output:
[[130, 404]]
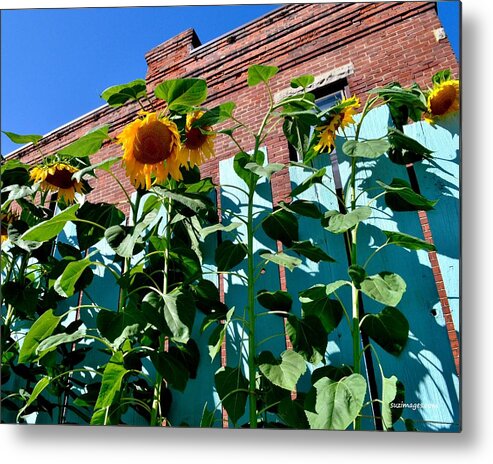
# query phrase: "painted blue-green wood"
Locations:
[[439, 179], [235, 289], [426, 366]]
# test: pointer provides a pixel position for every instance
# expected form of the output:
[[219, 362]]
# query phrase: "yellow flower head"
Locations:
[[57, 177], [340, 117], [198, 147], [443, 100], [151, 147], [6, 219]]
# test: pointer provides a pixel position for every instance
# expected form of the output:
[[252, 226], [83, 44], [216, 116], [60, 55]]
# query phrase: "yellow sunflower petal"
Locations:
[[57, 177], [151, 148], [198, 147], [443, 100]]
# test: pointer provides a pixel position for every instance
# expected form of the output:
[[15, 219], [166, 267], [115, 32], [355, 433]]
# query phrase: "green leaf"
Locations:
[[410, 427], [389, 328], [308, 337], [232, 388], [315, 178], [191, 200], [281, 225], [217, 336], [303, 208], [88, 144], [39, 331], [101, 215], [171, 369], [117, 95], [65, 283], [22, 139], [112, 324], [111, 386], [310, 251], [358, 274], [408, 241], [285, 372], [366, 149], [37, 390], [228, 255], [16, 192], [335, 405], [264, 171], [316, 303], [219, 227], [13, 165], [51, 343], [278, 300], [404, 149], [292, 412], [49, 229], [216, 115], [385, 287], [208, 417], [297, 130], [187, 261], [179, 314], [104, 165], [334, 373], [202, 186], [397, 96], [398, 139], [241, 159], [182, 94], [282, 259], [24, 297], [302, 81], [207, 298], [123, 239], [332, 287], [401, 197], [392, 392], [260, 73], [441, 76], [337, 223]]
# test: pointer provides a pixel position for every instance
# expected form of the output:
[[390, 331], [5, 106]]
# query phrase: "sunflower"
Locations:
[[57, 177], [5, 219], [198, 147], [339, 117], [151, 147], [443, 100]]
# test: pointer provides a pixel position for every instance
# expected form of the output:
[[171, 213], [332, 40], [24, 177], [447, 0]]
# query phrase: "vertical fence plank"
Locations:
[[234, 287]]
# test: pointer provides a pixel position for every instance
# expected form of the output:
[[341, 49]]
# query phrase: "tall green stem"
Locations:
[[252, 371], [156, 401]]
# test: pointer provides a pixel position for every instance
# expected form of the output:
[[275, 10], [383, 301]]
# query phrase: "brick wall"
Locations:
[[383, 41]]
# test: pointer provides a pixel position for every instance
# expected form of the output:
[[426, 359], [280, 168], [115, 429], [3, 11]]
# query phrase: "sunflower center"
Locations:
[[61, 178], [441, 102], [153, 143], [195, 138]]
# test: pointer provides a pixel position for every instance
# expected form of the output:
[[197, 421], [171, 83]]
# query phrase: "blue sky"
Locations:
[[56, 62]]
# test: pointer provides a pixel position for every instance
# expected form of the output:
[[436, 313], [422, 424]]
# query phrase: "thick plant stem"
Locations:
[[355, 291], [251, 314], [156, 401]]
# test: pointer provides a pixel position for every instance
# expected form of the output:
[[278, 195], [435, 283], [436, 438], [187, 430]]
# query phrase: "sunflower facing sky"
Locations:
[[443, 100], [198, 147], [339, 117], [151, 146], [57, 177]]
